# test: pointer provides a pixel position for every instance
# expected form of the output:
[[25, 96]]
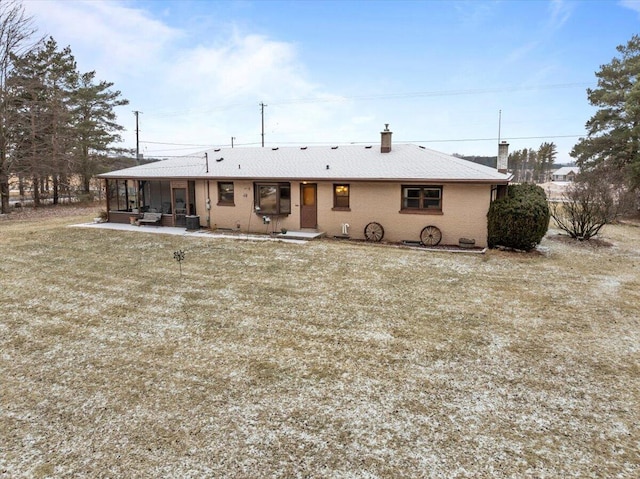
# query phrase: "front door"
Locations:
[[309, 208]]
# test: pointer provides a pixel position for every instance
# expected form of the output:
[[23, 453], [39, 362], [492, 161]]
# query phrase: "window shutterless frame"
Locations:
[[341, 194], [225, 193], [421, 198], [272, 198]]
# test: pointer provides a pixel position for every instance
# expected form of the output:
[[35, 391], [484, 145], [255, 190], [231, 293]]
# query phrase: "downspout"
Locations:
[[207, 200], [208, 206]]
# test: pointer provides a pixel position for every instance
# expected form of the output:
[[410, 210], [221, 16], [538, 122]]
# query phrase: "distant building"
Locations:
[[566, 173]]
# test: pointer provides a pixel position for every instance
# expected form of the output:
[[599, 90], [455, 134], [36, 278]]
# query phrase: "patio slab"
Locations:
[[202, 233]]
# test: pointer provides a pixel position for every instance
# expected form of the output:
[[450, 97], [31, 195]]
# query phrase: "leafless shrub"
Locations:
[[587, 205]]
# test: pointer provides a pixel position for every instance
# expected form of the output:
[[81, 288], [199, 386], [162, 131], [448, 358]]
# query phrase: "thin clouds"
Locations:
[[244, 65], [115, 40], [631, 4], [198, 70], [229, 79], [522, 51], [559, 13], [190, 88], [474, 13]]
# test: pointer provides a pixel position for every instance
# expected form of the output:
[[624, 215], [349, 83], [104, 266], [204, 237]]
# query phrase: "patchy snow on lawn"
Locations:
[[266, 359]]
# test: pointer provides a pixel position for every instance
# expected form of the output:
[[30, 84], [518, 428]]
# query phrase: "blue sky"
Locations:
[[334, 72]]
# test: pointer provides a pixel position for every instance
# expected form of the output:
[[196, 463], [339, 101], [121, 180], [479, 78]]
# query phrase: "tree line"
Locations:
[[533, 166], [56, 123], [526, 165]]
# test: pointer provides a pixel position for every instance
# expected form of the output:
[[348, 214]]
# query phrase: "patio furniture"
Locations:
[[150, 219]]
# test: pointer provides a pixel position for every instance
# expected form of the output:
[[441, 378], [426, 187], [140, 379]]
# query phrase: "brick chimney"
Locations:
[[503, 157], [385, 144]]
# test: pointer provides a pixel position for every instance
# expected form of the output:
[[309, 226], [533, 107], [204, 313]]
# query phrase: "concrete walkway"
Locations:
[[170, 230]]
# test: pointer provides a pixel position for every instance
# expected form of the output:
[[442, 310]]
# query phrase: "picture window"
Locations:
[[422, 198]]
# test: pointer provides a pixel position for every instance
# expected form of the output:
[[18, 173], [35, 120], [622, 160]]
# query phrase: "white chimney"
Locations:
[[503, 157], [385, 144]]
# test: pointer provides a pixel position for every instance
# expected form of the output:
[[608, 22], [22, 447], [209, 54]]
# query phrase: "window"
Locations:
[[119, 195], [225, 194], [273, 198], [422, 198], [341, 197]]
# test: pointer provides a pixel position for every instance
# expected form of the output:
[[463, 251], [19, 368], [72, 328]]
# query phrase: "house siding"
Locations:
[[464, 210]]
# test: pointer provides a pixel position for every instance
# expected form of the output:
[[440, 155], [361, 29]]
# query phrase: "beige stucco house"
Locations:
[[377, 192]]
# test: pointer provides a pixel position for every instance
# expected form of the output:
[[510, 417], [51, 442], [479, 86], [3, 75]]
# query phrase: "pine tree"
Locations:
[[515, 164], [95, 125], [613, 141], [64, 122], [547, 153], [43, 83], [26, 129], [60, 81]]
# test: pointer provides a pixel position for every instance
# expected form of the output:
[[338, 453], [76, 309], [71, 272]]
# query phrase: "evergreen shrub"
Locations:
[[520, 219]]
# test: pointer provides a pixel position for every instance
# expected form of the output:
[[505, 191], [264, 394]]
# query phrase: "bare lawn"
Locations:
[[323, 360]]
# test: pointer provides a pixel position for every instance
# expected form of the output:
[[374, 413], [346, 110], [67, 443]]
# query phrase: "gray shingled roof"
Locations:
[[565, 170], [351, 162]]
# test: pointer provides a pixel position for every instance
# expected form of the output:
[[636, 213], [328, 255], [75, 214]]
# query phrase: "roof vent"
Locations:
[[327, 167], [334, 147]]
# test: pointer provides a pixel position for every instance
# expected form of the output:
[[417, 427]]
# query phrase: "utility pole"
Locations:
[[137, 113], [232, 138], [262, 105]]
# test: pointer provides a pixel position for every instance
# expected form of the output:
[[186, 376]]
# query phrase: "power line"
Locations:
[[473, 91], [153, 165], [510, 138], [383, 96], [196, 146], [449, 140], [167, 149], [173, 144]]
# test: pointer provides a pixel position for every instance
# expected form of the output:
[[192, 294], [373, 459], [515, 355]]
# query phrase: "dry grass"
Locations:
[[327, 359]]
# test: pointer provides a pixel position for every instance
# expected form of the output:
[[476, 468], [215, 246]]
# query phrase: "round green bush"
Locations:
[[520, 219]]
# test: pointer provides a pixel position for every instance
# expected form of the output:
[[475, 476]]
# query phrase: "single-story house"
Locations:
[[386, 192], [566, 173]]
